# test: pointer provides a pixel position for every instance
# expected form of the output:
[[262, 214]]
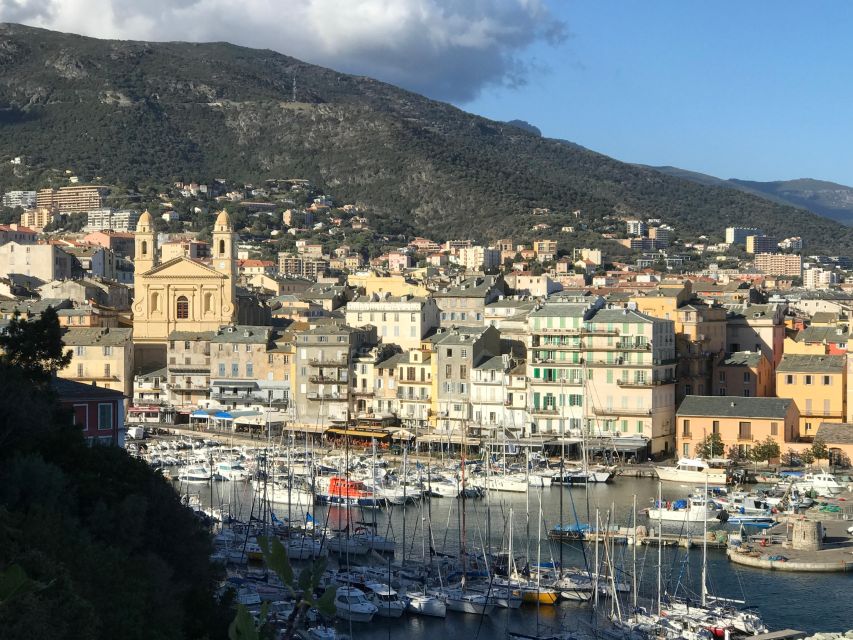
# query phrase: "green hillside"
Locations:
[[145, 113]]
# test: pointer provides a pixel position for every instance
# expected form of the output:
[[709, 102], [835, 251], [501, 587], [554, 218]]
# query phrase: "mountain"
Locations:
[[827, 199], [141, 114]]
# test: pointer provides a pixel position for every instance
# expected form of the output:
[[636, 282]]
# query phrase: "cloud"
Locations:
[[446, 49]]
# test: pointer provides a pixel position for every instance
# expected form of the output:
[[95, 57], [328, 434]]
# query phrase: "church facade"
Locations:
[[180, 294]]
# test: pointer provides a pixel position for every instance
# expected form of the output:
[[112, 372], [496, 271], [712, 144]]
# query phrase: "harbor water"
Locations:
[[804, 601]]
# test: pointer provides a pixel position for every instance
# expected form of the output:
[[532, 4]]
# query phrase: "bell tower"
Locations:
[[145, 257], [224, 261]]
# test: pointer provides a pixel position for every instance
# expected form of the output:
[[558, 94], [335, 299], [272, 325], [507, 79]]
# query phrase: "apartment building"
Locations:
[[455, 354], [124, 220], [23, 199], [94, 261], [818, 278], [479, 258], [738, 235], [415, 392], [756, 327], [385, 400], [779, 264], [604, 370], [760, 244], [818, 385], [636, 227], [325, 356], [464, 304], [187, 379], [366, 377], [101, 356], [748, 374], [17, 233], [43, 261], [498, 397], [545, 250], [71, 199], [38, 218], [302, 266], [403, 320], [119, 242], [740, 422]]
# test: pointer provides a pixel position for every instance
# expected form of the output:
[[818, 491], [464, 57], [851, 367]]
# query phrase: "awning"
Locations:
[[306, 428], [205, 414], [357, 433], [452, 439], [237, 384], [155, 409], [402, 434]]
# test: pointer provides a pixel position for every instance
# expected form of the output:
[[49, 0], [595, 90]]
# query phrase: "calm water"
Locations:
[[809, 602]]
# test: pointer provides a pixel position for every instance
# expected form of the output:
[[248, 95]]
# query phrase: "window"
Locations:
[[746, 393], [685, 428], [464, 353], [463, 371], [746, 377], [235, 369], [182, 308], [105, 416], [807, 379], [108, 351], [79, 370], [106, 370], [774, 428], [744, 431], [827, 380], [222, 247], [250, 370], [448, 371], [450, 353], [144, 247], [248, 348], [715, 426], [222, 369], [789, 379], [79, 351]]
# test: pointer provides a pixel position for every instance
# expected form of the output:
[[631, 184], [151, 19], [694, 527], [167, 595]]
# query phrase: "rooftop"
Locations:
[[811, 363], [68, 389], [835, 432], [734, 407], [743, 359], [97, 336], [243, 334]]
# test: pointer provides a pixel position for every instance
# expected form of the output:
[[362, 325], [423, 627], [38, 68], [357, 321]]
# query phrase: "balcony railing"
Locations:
[[316, 362], [403, 394], [621, 411], [193, 367], [644, 384], [548, 411], [559, 382], [326, 380], [327, 396]]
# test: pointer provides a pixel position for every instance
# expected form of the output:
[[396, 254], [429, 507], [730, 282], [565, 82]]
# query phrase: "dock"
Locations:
[[643, 536]]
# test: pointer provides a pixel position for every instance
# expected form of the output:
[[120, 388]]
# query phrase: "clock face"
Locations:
[[222, 265]]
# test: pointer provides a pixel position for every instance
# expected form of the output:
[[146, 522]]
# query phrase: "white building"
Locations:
[[24, 199], [476, 258], [818, 278], [402, 320], [636, 227], [123, 220]]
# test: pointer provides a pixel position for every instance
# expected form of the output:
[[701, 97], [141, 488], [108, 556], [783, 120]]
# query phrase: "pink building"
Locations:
[[97, 411], [398, 261]]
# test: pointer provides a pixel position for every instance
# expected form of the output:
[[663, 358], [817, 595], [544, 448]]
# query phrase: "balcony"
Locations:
[[744, 437], [562, 346], [403, 394], [644, 384], [326, 380], [200, 367], [316, 362], [587, 331], [326, 396], [624, 347], [188, 388], [544, 411], [621, 411], [558, 382], [362, 392]]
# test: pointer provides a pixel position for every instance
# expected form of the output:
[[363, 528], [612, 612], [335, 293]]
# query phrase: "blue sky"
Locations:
[[753, 90]]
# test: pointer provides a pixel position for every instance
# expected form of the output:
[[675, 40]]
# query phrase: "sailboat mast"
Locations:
[[660, 542], [705, 547], [634, 558], [462, 513], [595, 565]]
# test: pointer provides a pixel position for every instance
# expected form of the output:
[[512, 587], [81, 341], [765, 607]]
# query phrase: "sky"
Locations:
[[755, 90]]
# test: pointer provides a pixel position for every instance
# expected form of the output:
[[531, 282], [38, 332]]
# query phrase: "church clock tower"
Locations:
[[145, 257]]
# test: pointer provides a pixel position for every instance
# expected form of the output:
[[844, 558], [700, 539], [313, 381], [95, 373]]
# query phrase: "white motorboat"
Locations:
[[696, 508], [322, 632], [386, 599], [823, 483], [514, 483], [196, 473], [693, 471], [444, 488], [230, 471], [351, 604], [425, 604]]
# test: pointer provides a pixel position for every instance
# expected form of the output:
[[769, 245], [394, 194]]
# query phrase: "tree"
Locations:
[[765, 451], [791, 458], [807, 457], [819, 450], [711, 446], [35, 346]]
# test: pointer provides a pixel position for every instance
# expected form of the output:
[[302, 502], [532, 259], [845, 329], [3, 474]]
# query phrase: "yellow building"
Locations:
[[741, 422], [371, 282], [101, 356], [181, 294], [818, 385]]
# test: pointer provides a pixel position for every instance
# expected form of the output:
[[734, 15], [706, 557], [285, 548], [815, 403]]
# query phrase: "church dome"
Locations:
[[222, 220], [144, 220]]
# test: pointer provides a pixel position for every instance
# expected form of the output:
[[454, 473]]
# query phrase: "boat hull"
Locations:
[[671, 474]]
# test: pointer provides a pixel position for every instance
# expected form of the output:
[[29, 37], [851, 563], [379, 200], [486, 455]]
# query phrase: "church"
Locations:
[[181, 294]]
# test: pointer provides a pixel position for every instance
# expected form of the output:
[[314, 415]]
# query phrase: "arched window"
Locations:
[[208, 302], [183, 308], [145, 247], [222, 247], [155, 301]]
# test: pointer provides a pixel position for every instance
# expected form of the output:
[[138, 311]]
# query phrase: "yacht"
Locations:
[[230, 471], [426, 605], [195, 473], [351, 604], [514, 483], [456, 599], [696, 508], [693, 471], [386, 599]]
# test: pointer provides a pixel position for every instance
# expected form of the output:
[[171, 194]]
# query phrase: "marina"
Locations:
[[497, 560]]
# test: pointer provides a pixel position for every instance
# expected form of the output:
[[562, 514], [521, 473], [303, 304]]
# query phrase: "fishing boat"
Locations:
[[696, 508], [342, 491], [693, 471], [822, 483], [351, 604]]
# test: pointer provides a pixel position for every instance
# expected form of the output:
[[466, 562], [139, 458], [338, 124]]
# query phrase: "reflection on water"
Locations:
[[810, 602]]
